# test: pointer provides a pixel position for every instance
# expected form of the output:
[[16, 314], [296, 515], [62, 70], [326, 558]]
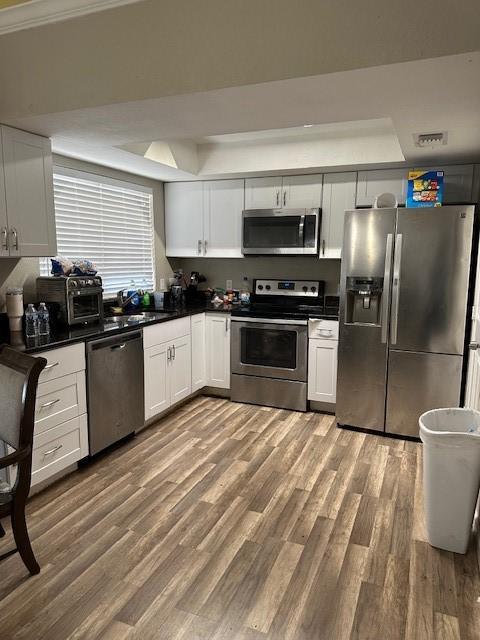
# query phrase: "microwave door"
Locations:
[[283, 232]]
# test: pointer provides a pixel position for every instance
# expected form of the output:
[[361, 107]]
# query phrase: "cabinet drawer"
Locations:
[[325, 329], [58, 448], [166, 331], [60, 400], [61, 362]]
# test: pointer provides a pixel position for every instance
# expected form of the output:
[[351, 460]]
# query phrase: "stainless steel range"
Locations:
[[269, 343]]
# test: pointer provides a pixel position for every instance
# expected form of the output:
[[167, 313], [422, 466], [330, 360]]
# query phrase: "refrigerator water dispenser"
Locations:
[[363, 300]]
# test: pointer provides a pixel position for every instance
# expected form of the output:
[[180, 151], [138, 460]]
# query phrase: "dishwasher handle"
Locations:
[[115, 343]]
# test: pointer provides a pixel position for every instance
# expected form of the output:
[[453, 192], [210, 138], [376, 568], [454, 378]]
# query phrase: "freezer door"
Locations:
[[418, 382], [430, 279], [362, 351]]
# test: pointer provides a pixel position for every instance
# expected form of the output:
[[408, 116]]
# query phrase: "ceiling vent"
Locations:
[[430, 139]]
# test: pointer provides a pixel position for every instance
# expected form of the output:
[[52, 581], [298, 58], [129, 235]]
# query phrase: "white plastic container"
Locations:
[[15, 311], [451, 475]]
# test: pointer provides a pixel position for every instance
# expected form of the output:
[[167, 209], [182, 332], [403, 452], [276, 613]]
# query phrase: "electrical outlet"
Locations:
[[229, 284], [162, 284]]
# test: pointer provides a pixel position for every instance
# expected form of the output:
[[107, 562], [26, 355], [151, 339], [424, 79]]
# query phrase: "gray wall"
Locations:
[[22, 272], [218, 270]]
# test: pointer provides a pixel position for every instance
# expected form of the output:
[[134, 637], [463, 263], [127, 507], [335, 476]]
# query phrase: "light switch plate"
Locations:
[[162, 284], [229, 284]]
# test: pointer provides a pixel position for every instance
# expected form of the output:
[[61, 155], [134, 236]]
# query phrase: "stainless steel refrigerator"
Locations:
[[403, 312]]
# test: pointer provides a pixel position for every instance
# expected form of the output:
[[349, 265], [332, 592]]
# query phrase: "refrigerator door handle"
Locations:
[[386, 287], [397, 263]]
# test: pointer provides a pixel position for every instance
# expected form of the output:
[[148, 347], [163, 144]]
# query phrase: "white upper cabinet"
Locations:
[[289, 192], [28, 176], [373, 183], [223, 206], [339, 191], [302, 192], [184, 219], [457, 183], [263, 193]]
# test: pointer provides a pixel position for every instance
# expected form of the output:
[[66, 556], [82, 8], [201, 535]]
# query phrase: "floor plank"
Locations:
[[227, 521]]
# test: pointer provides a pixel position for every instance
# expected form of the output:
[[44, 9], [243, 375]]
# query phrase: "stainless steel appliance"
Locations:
[[115, 388], [80, 298], [269, 343], [403, 309], [281, 231]]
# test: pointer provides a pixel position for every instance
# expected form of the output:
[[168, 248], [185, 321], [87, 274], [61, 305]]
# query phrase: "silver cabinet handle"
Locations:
[[49, 404], [169, 354], [397, 263], [173, 348], [386, 287], [474, 346], [50, 366], [54, 450], [14, 234], [323, 247], [285, 198], [4, 235], [205, 247], [199, 248], [278, 198]]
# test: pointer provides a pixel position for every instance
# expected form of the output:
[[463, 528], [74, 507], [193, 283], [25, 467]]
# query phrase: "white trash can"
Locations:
[[451, 475]]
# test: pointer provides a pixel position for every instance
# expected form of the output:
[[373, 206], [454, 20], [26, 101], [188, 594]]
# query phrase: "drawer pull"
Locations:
[[53, 450], [50, 366], [49, 404], [326, 332]]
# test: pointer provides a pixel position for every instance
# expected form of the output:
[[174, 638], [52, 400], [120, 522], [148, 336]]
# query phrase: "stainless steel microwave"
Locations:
[[292, 232]]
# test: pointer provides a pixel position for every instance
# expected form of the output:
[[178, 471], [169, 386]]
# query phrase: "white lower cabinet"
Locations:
[[167, 366], [61, 430], [199, 352], [218, 350], [322, 370]]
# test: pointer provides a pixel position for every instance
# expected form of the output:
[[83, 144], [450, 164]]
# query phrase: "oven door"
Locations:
[[85, 305], [280, 231], [269, 348]]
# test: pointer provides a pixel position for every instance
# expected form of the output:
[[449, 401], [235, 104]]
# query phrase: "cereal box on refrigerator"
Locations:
[[425, 189]]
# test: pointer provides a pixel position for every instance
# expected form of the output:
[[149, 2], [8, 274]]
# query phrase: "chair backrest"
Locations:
[[19, 375]]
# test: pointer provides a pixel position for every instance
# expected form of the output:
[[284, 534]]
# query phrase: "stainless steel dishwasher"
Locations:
[[115, 388]]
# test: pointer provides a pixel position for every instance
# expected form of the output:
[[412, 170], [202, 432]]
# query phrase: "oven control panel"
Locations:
[[308, 288]]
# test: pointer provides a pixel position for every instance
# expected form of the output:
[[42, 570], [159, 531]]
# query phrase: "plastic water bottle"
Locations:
[[31, 322], [43, 320]]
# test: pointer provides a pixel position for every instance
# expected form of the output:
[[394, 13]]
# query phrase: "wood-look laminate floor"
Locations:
[[227, 521]]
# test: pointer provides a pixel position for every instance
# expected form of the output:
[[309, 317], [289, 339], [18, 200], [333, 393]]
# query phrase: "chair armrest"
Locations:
[[13, 458]]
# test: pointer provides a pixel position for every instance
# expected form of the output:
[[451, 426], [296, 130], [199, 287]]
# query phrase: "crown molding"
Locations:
[[39, 12]]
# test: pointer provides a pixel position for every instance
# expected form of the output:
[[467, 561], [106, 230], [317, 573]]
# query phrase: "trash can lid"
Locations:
[[455, 426]]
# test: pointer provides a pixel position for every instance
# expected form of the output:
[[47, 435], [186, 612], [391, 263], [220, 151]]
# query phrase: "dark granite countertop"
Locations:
[[63, 336]]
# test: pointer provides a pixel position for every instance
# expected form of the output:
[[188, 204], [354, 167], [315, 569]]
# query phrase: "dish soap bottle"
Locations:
[[245, 292]]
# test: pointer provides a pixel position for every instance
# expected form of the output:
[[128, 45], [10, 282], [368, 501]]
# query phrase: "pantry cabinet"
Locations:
[[27, 215], [339, 190], [198, 339], [290, 192], [322, 361], [218, 350], [204, 219]]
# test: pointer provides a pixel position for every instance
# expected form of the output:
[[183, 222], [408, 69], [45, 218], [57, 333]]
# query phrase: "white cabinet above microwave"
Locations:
[[290, 192], [27, 216]]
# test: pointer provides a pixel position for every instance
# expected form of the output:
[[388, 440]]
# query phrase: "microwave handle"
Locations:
[[301, 231]]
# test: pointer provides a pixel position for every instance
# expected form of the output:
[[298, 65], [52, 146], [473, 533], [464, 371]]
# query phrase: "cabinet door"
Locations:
[[3, 209], [373, 183], [457, 183], [322, 370], [223, 206], [180, 370], [302, 192], [263, 193], [339, 191], [218, 350], [29, 193], [184, 219], [157, 387], [199, 374]]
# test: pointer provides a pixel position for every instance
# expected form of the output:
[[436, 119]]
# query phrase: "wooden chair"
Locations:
[[19, 375]]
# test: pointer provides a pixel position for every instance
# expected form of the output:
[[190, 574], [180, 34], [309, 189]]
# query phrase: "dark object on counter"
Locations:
[[332, 304], [80, 298], [19, 375], [115, 389]]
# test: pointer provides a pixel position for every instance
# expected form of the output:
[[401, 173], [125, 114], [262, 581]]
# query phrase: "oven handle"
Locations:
[[271, 321], [301, 232]]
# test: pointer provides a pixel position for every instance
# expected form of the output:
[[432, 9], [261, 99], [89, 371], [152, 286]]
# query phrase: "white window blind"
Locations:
[[107, 221]]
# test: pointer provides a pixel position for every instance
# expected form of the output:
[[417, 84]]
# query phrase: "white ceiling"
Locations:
[[440, 94]]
